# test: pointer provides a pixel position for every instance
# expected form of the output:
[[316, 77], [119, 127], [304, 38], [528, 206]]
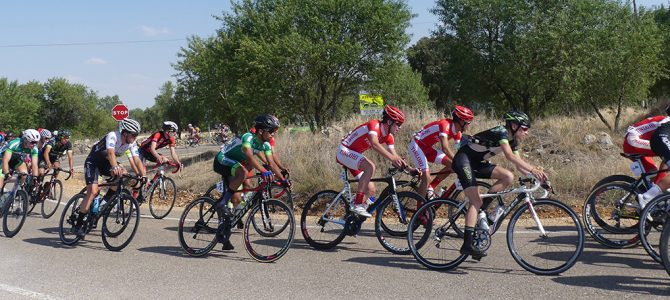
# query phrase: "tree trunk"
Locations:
[[600, 115], [617, 119]]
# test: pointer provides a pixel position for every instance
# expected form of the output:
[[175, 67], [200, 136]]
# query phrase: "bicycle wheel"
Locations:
[[32, 202], [552, 253], [618, 178], [52, 200], [197, 227], [268, 208], [162, 196], [658, 211], [265, 242], [322, 221], [282, 194], [213, 193], [611, 215], [391, 221], [441, 250], [14, 213], [665, 246], [120, 222], [68, 219]]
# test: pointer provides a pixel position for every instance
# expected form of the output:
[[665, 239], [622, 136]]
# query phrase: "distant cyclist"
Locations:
[[55, 149], [18, 151]]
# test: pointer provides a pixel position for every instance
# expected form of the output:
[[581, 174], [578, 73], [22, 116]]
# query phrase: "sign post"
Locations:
[[119, 112]]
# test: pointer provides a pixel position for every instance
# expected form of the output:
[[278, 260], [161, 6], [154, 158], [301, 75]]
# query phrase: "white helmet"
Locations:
[[130, 125], [190, 125], [45, 133], [30, 135], [170, 126]]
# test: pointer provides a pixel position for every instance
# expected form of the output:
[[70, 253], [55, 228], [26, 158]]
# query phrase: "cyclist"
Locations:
[[373, 134], [193, 133], [422, 152], [15, 152], [658, 141], [160, 139], [102, 160], [471, 162], [56, 148], [235, 160], [45, 138], [273, 144]]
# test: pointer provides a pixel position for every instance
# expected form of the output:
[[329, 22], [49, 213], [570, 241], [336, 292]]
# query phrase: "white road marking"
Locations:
[[26, 293]]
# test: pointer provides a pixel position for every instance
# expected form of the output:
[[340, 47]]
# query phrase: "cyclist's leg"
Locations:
[[361, 168], [56, 165], [463, 168], [438, 157], [420, 161], [660, 144]]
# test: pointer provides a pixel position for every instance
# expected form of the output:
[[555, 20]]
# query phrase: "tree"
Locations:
[[300, 58], [20, 108]]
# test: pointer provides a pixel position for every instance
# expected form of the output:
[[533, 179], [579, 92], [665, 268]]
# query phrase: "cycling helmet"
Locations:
[[393, 113], [45, 133], [170, 126], [30, 135], [517, 117], [190, 125], [130, 125], [462, 113], [266, 122], [276, 120], [63, 133]]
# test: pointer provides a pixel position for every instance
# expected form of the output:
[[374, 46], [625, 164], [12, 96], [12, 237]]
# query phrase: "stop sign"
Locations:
[[119, 112]]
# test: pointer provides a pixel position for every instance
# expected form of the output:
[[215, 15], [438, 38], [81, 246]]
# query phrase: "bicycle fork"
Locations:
[[529, 203]]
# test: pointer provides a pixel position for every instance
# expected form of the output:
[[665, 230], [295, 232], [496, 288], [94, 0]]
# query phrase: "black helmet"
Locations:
[[517, 117], [63, 133], [266, 122]]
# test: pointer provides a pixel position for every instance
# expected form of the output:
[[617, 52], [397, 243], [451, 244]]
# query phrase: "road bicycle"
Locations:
[[48, 193], [120, 216], [268, 229], [14, 203], [611, 211], [328, 217], [652, 222], [282, 192], [544, 236], [162, 191], [665, 246]]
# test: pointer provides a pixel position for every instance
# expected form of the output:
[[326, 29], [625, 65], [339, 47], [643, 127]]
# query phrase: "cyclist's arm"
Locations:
[[34, 164], [271, 162], [46, 156], [521, 165], [137, 165], [70, 160], [5, 162], [249, 154], [111, 156], [173, 153], [380, 149], [446, 148], [154, 152]]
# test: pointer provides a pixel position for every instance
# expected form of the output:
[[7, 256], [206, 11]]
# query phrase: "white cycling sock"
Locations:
[[652, 192]]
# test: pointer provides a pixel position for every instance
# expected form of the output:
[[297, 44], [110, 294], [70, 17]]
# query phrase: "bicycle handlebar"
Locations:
[[169, 163]]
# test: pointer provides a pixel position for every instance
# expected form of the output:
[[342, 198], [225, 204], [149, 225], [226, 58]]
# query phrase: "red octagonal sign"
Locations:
[[119, 112]]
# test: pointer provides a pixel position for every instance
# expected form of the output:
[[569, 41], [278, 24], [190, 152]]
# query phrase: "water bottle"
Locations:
[[497, 213], [96, 205], [440, 192], [370, 200], [483, 224]]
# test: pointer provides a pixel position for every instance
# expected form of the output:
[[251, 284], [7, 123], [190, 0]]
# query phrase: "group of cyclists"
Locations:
[[443, 142]]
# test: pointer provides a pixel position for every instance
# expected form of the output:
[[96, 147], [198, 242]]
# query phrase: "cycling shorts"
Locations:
[[422, 155], [350, 159]]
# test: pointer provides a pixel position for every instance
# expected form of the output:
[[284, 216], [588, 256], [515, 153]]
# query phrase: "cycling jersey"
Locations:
[[232, 154], [421, 147], [58, 149], [113, 141], [19, 153], [162, 139], [470, 162], [271, 141], [358, 140], [637, 141], [350, 151]]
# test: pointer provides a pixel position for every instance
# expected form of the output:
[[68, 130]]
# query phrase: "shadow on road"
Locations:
[[627, 284], [56, 243], [402, 262], [214, 254]]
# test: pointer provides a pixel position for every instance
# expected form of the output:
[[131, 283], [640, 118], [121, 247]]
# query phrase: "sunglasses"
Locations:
[[33, 143], [134, 134], [524, 128]]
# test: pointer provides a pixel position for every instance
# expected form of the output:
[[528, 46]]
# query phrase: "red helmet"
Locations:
[[462, 113], [393, 113]]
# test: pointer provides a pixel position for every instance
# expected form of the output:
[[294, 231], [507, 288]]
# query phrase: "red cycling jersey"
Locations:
[[359, 139], [639, 134], [429, 135], [161, 138]]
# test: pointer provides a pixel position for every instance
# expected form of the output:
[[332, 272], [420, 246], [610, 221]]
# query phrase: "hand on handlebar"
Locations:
[[267, 176]]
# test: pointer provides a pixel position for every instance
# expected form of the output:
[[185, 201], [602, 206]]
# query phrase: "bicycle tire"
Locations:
[[54, 194], [439, 217], [15, 212], [665, 245], [161, 205], [282, 212], [198, 219], [313, 217], [124, 211], [32, 203], [268, 208], [395, 239], [67, 220], [566, 223], [616, 178], [602, 216], [284, 195], [650, 231]]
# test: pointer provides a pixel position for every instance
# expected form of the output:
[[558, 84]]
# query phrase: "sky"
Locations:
[[123, 48]]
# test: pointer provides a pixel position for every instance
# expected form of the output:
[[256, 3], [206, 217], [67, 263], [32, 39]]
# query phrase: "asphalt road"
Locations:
[[36, 265]]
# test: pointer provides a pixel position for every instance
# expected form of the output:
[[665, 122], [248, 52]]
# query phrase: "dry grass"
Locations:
[[554, 143]]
